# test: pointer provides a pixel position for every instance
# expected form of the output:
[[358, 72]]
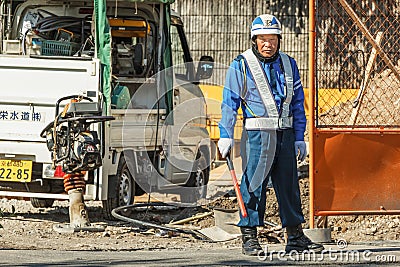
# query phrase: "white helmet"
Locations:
[[265, 24]]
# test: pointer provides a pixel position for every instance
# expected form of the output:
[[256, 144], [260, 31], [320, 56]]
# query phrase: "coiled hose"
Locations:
[[54, 23], [115, 213]]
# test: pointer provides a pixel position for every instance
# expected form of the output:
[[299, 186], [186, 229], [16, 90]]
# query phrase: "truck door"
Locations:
[[189, 112]]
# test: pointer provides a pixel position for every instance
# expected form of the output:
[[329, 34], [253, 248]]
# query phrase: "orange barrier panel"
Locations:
[[354, 134], [356, 172]]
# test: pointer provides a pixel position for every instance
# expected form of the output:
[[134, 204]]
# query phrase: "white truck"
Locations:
[[129, 57]]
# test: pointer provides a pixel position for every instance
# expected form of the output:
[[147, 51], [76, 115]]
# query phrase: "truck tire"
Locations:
[[124, 194], [42, 202], [197, 183]]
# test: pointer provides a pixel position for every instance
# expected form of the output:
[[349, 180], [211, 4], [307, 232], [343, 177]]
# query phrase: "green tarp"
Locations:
[[103, 45]]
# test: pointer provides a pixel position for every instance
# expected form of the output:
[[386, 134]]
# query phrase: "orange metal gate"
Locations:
[[354, 86]]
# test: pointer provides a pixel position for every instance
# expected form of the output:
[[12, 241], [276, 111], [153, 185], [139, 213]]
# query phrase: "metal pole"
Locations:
[[311, 101]]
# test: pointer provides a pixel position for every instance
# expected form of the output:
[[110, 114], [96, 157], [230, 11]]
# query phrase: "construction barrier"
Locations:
[[354, 128]]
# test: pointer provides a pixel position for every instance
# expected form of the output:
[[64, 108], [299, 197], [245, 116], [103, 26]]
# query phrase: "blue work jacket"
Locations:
[[234, 92]]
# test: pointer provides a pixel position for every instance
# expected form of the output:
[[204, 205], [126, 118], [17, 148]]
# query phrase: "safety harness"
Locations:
[[275, 119]]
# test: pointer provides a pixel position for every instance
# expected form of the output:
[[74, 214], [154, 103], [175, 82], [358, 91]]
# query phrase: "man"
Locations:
[[266, 84]]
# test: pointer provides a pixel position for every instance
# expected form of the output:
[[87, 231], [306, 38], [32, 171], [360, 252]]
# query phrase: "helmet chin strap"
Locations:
[[261, 57]]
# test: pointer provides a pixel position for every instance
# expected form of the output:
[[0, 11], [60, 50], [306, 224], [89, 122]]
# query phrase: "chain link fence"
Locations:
[[221, 29], [357, 63]]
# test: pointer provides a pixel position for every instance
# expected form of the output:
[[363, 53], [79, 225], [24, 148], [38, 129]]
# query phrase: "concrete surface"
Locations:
[[366, 254]]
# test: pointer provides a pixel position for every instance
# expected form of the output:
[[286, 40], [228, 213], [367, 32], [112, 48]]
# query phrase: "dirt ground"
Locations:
[[378, 106], [25, 227]]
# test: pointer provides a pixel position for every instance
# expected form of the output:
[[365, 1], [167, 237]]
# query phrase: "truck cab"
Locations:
[[130, 57]]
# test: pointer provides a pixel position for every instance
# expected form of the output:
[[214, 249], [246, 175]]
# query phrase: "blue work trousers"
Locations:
[[270, 154]]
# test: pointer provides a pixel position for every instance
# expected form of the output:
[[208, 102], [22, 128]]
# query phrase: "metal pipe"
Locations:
[[8, 30], [160, 39], [311, 101], [356, 212], [39, 195], [358, 130], [27, 103], [2, 22], [31, 194]]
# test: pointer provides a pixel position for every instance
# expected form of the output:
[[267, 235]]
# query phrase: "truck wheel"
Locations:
[[124, 191], [42, 202], [197, 184]]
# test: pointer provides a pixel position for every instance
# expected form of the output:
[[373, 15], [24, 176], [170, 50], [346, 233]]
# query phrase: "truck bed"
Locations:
[[135, 128]]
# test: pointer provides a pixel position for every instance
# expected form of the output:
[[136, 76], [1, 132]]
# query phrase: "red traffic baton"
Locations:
[[236, 186]]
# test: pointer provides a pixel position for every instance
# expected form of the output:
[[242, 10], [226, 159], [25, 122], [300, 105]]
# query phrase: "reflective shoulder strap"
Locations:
[[287, 68], [244, 90], [261, 83]]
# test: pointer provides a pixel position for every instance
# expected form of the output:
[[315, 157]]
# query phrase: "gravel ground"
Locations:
[[25, 227]]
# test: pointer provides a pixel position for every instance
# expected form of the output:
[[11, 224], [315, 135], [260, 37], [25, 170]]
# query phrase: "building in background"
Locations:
[[224, 30], [225, 25]]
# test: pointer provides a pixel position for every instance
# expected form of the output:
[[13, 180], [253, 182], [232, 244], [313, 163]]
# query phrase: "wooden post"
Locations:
[[369, 37], [360, 96]]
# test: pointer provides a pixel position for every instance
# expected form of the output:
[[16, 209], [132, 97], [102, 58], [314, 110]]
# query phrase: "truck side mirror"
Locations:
[[205, 68]]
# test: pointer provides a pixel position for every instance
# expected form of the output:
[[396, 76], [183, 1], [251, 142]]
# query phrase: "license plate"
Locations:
[[15, 170]]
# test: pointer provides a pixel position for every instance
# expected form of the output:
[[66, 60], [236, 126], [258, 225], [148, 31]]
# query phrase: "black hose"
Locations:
[[115, 211], [44, 22], [24, 42], [53, 23], [46, 12], [344, 64], [155, 146], [58, 26]]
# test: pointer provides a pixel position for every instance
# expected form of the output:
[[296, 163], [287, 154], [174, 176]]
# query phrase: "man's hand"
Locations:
[[300, 150], [224, 145]]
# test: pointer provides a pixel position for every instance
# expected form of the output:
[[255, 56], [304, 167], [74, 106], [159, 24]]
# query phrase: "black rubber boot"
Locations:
[[298, 241], [250, 245]]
